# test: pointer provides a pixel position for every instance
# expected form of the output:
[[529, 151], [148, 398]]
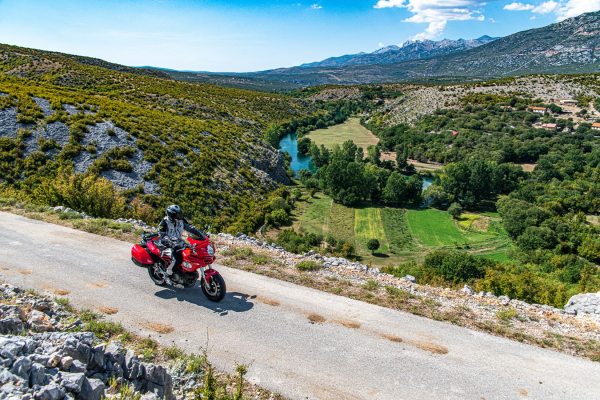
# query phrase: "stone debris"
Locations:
[[579, 318], [39, 360], [588, 303]]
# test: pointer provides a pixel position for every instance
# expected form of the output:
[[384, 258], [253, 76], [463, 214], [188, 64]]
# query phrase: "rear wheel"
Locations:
[[214, 290], [156, 275]]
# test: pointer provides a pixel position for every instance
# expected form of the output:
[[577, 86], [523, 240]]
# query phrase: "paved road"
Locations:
[[351, 355]]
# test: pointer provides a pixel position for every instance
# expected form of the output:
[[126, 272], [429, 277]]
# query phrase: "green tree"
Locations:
[[304, 145], [401, 157], [373, 245], [374, 155], [395, 189], [272, 136], [455, 210], [280, 217]]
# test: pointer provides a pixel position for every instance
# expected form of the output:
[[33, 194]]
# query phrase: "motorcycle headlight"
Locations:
[[187, 265], [210, 250]]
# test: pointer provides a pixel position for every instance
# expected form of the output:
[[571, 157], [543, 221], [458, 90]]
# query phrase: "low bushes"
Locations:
[[308, 266]]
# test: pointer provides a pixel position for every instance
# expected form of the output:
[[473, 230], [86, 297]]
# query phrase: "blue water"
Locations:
[[289, 143], [299, 160], [427, 182]]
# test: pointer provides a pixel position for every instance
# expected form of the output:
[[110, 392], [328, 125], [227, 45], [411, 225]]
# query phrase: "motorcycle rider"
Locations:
[[170, 231]]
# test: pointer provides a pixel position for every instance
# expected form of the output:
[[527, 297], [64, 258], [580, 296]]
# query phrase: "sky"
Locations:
[[254, 35]]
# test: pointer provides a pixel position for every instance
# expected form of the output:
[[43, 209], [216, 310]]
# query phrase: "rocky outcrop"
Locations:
[[271, 162], [47, 362], [588, 303], [73, 366]]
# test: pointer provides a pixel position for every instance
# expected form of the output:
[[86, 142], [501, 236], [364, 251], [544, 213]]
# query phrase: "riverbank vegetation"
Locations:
[[530, 234]]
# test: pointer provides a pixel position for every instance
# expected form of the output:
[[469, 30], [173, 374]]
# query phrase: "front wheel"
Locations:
[[215, 291], [156, 275]]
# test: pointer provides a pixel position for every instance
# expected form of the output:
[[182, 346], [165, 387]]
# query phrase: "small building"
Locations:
[[454, 133], [540, 110], [567, 101], [596, 126], [549, 127]]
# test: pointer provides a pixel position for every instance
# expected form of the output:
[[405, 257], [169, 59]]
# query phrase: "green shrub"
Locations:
[[259, 259], [371, 284], [280, 217], [456, 265], [455, 210], [295, 242], [173, 352], [308, 266]]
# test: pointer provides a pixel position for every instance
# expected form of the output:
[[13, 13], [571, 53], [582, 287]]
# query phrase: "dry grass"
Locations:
[[348, 323], [160, 328], [96, 285], [392, 338], [316, 318], [108, 310], [268, 301], [432, 347], [61, 292]]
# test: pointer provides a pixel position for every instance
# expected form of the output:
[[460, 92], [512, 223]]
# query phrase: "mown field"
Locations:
[[338, 134], [369, 225], [404, 234]]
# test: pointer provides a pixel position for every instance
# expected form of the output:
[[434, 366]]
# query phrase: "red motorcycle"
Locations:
[[198, 255]]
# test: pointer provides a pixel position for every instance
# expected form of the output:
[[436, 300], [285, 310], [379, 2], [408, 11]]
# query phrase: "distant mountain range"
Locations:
[[410, 50], [567, 47]]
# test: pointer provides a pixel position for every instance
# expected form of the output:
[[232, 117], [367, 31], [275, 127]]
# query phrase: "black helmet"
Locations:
[[174, 212]]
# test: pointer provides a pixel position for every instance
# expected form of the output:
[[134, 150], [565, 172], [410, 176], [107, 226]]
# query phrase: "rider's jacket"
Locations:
[[168, 229]]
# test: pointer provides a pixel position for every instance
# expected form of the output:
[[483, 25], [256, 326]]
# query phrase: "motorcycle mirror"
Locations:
[[207, 227]]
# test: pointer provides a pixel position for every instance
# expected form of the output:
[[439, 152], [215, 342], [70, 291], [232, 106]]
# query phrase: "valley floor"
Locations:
[[405, 234]]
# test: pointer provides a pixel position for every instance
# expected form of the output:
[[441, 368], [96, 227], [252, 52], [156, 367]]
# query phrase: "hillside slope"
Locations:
[[159, 139], [570, 46]]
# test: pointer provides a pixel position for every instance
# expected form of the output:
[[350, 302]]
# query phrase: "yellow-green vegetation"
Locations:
[[200, 139], [349, 130], [403, 234], [369, 225], [308, 266], [315, 214], [341, 222], [397, 230]]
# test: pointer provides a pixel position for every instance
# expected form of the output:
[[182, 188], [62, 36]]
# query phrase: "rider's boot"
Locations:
[[168, 274]]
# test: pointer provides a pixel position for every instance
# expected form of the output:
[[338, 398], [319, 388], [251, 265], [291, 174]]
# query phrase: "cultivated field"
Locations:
[[369, 225], [404, 234], [338, 134]]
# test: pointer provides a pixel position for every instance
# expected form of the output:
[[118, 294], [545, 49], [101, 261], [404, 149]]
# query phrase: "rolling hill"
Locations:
[[153, 137]]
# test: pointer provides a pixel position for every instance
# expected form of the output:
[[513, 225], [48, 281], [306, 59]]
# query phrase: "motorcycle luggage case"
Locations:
[[140, 256]]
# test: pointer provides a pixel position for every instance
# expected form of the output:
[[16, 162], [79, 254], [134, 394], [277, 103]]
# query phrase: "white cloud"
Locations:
[[492, 20], [562, 8], [546, 7], [573, 8], [518, 7], [316, 7], [389, 3], [437, 13], [381, 44]]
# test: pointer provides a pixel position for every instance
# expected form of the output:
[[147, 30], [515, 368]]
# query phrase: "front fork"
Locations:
[[207, 272]]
